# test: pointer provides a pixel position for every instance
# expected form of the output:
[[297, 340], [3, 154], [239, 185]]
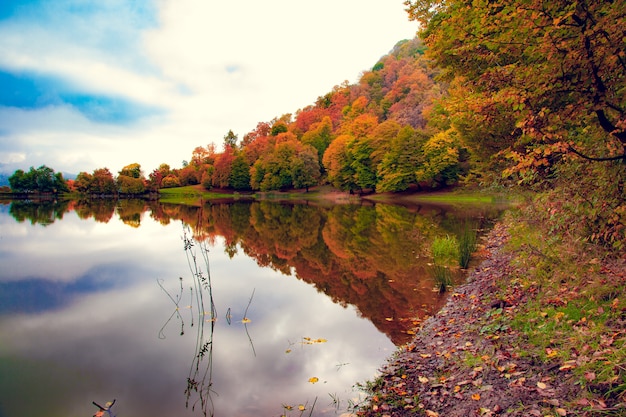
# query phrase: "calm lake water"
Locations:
[[234, 309]]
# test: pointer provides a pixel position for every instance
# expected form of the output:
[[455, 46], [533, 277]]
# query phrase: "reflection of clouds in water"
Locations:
[[68, 249], [106, 344]]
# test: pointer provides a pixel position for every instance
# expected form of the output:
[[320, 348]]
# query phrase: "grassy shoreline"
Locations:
[[537, 330]]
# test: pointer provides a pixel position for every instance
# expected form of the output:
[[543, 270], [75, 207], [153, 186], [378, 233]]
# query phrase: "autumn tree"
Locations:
[[156, 177], [222, 168], [102, 182], [130, 180], [557, 68], [338, 163], [319, 136], [132, 170], [83, 181], [548, 79]]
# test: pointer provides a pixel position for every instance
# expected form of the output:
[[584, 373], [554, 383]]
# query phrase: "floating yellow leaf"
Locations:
[[301, 407], [246, 320], [313, 380], [288, 351]]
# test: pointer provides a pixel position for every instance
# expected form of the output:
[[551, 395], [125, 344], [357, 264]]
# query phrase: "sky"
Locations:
[[87, 84]]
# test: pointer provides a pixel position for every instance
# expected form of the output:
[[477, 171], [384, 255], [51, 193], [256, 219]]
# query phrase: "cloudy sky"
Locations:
[[86, 84]]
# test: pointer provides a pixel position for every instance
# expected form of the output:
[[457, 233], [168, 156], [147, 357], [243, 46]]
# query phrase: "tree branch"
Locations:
[[603, 159]]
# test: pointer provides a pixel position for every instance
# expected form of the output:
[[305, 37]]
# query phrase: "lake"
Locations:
[[230, 309]]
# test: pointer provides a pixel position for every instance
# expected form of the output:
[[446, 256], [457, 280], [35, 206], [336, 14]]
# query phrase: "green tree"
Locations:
[[133, 170], [305, 168], [230, 140], [441, 165], [338, 163], [18, 182], [364, 170], [396, 171], [83, 181], [131, 180], [319, 136], [240, 174], [40, 180], [130, 185]]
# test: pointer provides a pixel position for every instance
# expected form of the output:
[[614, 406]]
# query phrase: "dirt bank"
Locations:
[[461, 364]]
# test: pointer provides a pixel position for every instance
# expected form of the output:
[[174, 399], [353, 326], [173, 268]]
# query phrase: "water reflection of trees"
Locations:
[[101, 210], [373, 257], [43, 212]]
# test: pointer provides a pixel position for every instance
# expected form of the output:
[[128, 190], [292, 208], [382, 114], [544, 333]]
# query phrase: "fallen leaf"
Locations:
[[423, 379], [561, 412], [567, 366], [476, 397], [590, 376], [431, 413], [541, 385], [313, 380]]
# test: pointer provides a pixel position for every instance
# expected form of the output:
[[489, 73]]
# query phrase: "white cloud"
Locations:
[[206, 66]]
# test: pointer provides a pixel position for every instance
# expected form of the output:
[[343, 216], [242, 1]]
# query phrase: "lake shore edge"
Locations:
[[469, 359]]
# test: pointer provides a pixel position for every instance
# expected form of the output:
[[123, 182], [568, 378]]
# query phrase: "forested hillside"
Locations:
[[369, 136]]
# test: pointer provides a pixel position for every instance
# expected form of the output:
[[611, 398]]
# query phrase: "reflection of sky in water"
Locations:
[[92, 332]]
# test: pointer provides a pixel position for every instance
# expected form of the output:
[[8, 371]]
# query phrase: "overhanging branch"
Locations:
[[602, 159]]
